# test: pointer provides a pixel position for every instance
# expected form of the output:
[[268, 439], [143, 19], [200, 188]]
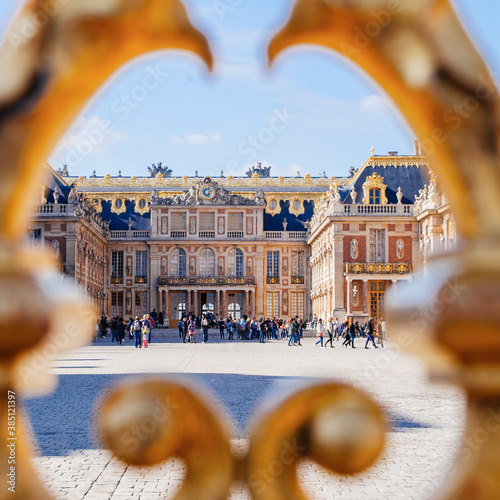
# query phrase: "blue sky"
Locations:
[[325, 115]]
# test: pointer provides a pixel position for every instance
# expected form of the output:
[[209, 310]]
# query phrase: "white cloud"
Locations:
[[375, 103], [197, 138], [89, 135]]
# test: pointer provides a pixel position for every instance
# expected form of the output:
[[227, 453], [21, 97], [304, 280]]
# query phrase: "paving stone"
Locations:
[[426, 421]]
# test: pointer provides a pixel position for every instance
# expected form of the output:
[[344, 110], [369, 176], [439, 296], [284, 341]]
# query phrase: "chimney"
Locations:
[[418, 148]]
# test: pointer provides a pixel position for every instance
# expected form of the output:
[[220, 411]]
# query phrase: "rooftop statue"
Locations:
[[155, 170], [259, 170]]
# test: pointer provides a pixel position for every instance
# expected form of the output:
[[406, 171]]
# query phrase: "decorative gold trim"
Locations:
[[114, 208], [273, 211], [296, 211], [374, 181], [137, 208]]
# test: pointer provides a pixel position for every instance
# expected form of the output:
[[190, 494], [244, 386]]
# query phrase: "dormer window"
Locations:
[[374, 196], [374, 190]]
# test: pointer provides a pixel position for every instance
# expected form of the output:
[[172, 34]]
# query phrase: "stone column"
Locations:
[[188, 303], [247, 303], [166, 315], [349, 294], [365, 286], [217, 303], [195, 302]]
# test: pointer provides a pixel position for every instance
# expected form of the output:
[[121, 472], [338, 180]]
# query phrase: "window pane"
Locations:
[[179, 221], [207, 262], [117, 264], [207, 221], [235, 222], [273, 263], [141, 263]]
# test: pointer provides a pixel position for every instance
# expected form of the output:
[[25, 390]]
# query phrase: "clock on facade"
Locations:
[[207, 192]]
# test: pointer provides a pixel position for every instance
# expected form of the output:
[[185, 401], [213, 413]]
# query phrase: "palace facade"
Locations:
[[257, 245]]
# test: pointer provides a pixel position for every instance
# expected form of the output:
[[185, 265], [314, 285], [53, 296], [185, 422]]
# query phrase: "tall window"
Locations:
[[235, 221], [377, 245], [273, 305], [297, 304], [298, 264], [178, 221], [273, 264], [141, 263], [117, 264], [374, 196], [117, 304], [207, 262], [207, 221], [178, 263], [236, 262], [234, 305], [141, 304]]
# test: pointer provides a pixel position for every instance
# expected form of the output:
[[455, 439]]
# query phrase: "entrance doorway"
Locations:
[[235, 305], [177, 307], [377, 300], [207, 302]]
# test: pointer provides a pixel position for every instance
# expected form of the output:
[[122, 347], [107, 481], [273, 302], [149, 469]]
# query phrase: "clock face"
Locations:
[[207, 192]]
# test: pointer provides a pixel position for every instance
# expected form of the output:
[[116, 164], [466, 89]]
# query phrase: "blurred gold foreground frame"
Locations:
[[419, 53]]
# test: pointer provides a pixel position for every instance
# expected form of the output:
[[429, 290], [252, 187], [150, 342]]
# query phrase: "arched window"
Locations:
[[236, 263], [374, 196], [207, 262], [178, 263]]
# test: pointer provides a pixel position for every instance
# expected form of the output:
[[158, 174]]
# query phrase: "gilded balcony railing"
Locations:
[[205, 281], [297, 280], [377, 268]]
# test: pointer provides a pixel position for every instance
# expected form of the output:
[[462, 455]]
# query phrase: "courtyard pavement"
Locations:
[[426, 420]]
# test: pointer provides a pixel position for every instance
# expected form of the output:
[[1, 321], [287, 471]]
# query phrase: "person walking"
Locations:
[[320, 330], [329, 330], [120, 330], [370, 334], [336, 328], [204, 324], [351, 333], [191, 328], [136, 328], [292, 339], [180, 327], [145, 334], [221, 328]]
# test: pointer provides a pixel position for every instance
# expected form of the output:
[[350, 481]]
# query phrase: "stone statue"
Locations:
[[353, 196], [400, 249], [260, 197], [399, 195], [154, 198], [285, 224], [155, 170], [354, 249], [130, 223], [261, 171], [56, 193], [352, 172], [72, 197]]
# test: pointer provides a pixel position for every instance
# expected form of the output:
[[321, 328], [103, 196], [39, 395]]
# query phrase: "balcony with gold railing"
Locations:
[[297, 280], [206, 281], [273, 280], [116, 280], [141, 280], [378, 268]]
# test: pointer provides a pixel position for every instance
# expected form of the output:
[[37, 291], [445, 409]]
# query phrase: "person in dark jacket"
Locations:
[[121, 330], [370, 334]]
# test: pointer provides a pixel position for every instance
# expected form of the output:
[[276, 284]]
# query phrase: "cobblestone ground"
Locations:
[[426, 420]]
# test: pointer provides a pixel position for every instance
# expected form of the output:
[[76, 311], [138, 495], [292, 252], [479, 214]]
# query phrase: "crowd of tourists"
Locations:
[[347, 331], [244, 329]]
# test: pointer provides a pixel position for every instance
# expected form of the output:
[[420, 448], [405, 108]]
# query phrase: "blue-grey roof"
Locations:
[[295, 222], [410, 179], [120, 222]]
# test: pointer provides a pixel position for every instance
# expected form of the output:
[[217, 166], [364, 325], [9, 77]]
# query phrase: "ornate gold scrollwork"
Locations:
[[423, 58], [148, 422], [46, 81]]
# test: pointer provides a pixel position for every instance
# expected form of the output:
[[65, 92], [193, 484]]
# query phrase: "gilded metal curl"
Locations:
[[151, 421], [419, 53], [46, 81], [148, 422]]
